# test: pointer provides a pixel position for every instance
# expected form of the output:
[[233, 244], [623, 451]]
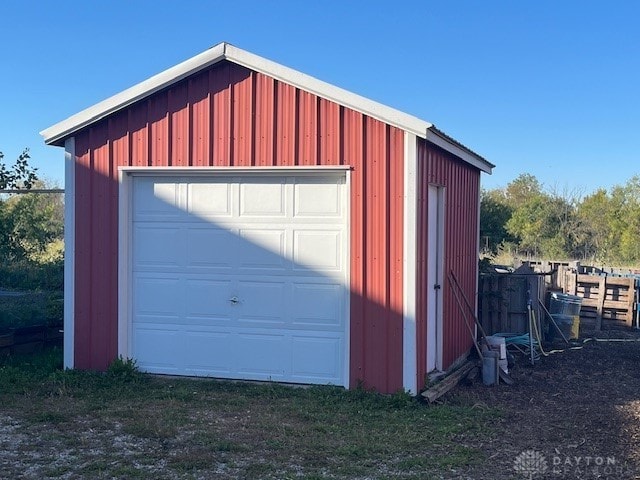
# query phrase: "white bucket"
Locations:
[[498, 344]]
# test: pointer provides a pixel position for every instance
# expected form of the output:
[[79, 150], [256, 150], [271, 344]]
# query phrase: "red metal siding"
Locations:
[[200, 125], [220, 114], [461, 184], [265, 125], [229, 115]]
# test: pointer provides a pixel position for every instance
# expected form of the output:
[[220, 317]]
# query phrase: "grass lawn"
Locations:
[[123, 424]]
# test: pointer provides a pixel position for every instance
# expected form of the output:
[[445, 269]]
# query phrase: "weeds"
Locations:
[[124, 369]]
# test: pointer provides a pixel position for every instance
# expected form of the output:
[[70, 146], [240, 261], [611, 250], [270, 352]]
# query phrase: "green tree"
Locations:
[[626, 220], [495, 212], [19, 175], [560, 234], [522, 190], [603, 226], [543, 223], [527, 225], [36, 221], [31, 241], [594, 232]]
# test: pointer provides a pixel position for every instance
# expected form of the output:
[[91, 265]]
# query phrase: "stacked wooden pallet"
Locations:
[[608, 302]]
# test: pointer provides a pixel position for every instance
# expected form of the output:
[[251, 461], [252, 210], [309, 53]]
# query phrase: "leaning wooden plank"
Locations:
[[601, 297], [630, 300], [447, 383]]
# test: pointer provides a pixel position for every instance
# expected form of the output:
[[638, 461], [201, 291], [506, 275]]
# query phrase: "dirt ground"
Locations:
[[574, 414]]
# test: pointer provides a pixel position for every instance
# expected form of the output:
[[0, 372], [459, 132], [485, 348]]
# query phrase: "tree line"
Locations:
[[526, 219], [31, 230]]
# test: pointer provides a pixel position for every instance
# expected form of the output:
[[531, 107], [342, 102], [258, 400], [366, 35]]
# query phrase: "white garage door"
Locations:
[[240, 276]]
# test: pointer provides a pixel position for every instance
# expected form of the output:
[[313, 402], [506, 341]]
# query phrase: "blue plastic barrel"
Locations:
[[564, 304]]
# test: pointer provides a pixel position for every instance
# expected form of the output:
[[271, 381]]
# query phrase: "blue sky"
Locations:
[[550, 88]]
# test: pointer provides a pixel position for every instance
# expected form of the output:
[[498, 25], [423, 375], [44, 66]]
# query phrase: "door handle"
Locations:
[[437, 286], [234, 300]]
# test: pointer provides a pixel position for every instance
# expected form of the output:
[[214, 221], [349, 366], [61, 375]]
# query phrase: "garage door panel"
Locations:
[[262, 199], [317, 305], [209, 199], [157, 349], [208, 301], [318, 198], [209, 353], [262, 302], [317, 357], [211, 247], [319, 250], [262, 248], [158, 296], [157, 246], [265, 356], [153, 198]]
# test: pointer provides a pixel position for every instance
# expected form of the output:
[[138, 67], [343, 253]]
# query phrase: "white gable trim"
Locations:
[[330, 92], [56, 134]]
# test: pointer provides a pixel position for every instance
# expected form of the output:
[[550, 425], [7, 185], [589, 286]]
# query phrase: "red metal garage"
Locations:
[[231, 217]]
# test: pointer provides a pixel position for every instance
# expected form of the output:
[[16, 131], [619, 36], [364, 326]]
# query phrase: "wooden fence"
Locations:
[[503, 301], [608, 301]]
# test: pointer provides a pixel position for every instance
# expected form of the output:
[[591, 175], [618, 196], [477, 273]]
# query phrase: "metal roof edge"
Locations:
[[346, 98], [444, 141]]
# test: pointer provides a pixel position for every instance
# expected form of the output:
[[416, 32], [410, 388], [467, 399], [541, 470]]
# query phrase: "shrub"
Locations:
[[124, 369]]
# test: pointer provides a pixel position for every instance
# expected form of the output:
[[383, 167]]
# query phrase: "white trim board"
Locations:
[[409, 329], [124, 262], [196, 171], [347, 308], [56, 134], [69, 250]]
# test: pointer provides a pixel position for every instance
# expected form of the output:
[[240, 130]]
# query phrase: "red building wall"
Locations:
[[228, 115], [461, 184]]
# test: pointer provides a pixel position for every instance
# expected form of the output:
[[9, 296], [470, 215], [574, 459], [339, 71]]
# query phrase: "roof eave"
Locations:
[[444, 141]]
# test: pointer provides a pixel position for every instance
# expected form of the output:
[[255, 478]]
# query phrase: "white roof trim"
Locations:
[[56, 134], [437, 138], [338, 95]]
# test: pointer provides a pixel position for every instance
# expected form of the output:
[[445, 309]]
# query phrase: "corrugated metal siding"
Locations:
[[230, 116], [461, 184]]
